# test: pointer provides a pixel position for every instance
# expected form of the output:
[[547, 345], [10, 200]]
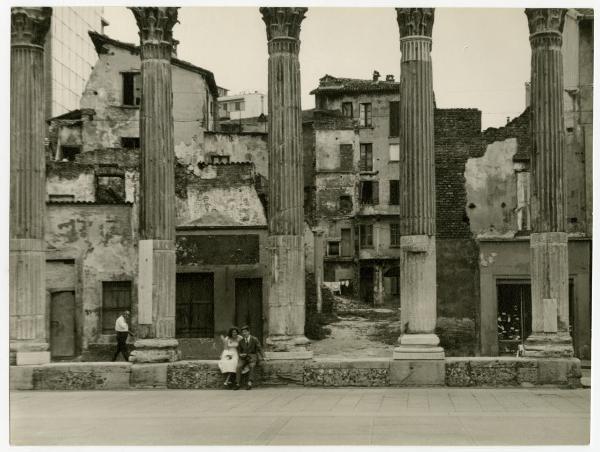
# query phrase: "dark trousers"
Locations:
[[122, 345], [249, 360]]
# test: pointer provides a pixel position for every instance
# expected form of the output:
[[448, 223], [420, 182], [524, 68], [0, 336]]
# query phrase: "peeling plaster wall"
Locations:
[[491, 187], [103, 93], [101, 239], [328, 155], [242, 147], [329, 188], [65, 178]]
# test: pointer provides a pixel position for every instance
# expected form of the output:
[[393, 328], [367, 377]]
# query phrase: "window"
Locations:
[[345, 204], [130, 142], [394, 234], [394, 192], [394, 118], [238, 106], [366, 157], [333, 248], [215, 159], [132, 88], [394, 152], [116, 298], [110, 189], [346, 157], [347, 110], [224, 106], [68, 153], [365, 115], [523, 195], [369, 192], [366, 236]]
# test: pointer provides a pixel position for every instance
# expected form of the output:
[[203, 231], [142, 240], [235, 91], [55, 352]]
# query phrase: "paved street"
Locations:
[[302, 416]]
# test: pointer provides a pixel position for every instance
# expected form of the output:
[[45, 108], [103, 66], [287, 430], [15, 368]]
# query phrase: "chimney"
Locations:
[[389, 78], [375, 76]]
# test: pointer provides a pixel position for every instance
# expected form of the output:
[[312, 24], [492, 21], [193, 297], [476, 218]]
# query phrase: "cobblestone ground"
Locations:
[[302, 416]]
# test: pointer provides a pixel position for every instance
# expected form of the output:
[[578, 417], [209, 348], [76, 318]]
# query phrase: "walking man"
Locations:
[[249, 350], [122, 330]]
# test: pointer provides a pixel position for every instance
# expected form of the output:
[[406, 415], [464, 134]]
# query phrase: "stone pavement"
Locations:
[[302, 416]]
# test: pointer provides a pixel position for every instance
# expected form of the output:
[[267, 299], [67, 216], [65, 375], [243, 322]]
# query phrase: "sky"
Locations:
[[481, 57]]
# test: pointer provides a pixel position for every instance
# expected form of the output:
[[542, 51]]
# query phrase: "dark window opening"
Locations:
[[132, 89], [394, 118], [366, 236], [116, 298], [366, 157], [110, 189], [347, 110], [68, 153], [333, 248], [346, 157], [365, 115], [394, 192], [194, 304], [395, 234], [130, 142], [369, 192], [345, 204]]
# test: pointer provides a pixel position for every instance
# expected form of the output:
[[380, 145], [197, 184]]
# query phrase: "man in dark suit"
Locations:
[[249, 350]]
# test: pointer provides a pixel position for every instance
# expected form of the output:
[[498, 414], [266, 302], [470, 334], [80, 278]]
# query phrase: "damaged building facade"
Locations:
[[224, 245]]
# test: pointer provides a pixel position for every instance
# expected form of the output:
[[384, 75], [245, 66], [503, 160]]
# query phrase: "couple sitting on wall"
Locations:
[[239, 357]]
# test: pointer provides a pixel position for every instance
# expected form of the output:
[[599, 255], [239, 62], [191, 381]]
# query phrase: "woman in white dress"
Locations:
[[229, 357]]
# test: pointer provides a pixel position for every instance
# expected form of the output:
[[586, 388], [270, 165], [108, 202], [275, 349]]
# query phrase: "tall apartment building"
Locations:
[[242, 105], [70, 56], [356, 174]]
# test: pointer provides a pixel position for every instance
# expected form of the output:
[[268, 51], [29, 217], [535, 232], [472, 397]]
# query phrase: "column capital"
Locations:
[[29, 26], [415, 21], [546, 26], [155, 30], [283, 27]]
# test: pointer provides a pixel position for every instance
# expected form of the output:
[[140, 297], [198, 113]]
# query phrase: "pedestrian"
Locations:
[[250, 351], [122, 330], [229, 358]]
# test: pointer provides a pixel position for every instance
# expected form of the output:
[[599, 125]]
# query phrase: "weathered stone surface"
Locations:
[[29, 358], [70, 376], [155, 351], [458, 373], [281, 372], [194, 375], [565, 371], [417, 373], [340, 373], [149, 375], [21, 377]]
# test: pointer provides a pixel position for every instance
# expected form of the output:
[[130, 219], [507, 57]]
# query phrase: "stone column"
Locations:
[[156, 292], [319, 252], [27, 282], [548, 243], [286, 310], [417, 178]]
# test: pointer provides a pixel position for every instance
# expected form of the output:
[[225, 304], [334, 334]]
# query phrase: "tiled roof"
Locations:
[[100, 40], [330, 85]]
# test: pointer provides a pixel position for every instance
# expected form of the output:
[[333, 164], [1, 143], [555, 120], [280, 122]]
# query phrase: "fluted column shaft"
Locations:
[[418, 295], [548, 242], [286, 309], [157, 268], [27, 284], [417, 159]]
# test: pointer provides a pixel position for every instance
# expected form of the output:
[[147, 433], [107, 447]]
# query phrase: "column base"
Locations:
[[24, 353], [288, 347], [155, 351], [419, 347], [32, 358], [548, 345]]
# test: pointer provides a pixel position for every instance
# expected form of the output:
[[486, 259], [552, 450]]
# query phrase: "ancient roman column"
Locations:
[[286, 308], [548, 243], [417, 178], [27, 283], [156, 277]]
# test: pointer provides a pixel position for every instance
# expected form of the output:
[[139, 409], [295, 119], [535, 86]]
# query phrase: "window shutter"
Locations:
[[375, 192]]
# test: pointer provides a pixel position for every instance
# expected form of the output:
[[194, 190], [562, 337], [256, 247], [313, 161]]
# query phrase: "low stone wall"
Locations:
[[376, 372]]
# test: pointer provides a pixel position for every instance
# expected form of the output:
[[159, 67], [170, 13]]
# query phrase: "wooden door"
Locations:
[[248, 305], [194, 305], [62, 324]]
